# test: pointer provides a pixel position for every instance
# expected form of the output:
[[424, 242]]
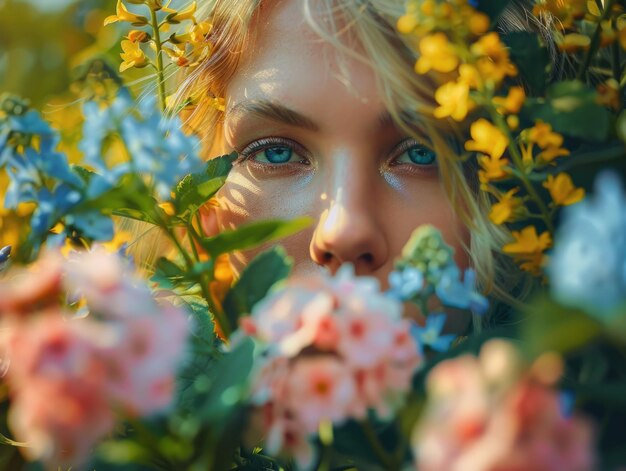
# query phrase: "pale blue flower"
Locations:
[[406, 283], [587, 267], [460, 294], [430, 334]]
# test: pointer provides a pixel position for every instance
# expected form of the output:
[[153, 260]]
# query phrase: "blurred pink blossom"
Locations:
[[483, 414], [67, 373], [333, 348]]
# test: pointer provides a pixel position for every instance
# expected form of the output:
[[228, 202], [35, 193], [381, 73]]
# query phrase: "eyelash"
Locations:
[[252, 149]]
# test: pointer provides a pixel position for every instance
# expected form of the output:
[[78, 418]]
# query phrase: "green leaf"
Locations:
[[259, 276], [194, 190], [167, 274], [571, 108], [220, 166], [252, 235], [224, 387], [552, 327], [531, 59]]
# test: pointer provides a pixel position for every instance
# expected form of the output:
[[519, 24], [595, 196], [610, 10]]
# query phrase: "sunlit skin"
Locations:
[[346, 165]]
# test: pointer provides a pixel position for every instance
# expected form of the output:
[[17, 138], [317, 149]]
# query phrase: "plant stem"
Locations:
[[203, 281], [159, 59], [595, 42], [384, 457], [518, 161]]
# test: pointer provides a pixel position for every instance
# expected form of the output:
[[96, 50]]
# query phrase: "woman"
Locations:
[[331, 121]]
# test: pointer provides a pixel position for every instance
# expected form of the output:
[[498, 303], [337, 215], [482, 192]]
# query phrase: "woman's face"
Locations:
[[315, 139]]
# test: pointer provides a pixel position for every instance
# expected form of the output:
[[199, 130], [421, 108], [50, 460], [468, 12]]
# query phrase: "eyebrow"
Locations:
[[282, 114]]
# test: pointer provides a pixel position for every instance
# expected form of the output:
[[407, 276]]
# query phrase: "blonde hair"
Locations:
[[408, 98]]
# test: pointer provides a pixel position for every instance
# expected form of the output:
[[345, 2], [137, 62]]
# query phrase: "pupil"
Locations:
[[421, 155], [278, 155]]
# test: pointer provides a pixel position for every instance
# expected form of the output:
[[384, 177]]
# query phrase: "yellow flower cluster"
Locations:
[[185, 50], [453, 42]]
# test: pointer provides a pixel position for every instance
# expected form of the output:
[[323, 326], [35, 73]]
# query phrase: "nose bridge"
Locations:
[[347, 229]]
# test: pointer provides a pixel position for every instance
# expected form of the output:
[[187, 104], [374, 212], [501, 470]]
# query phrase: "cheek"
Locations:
[[245, 199], [421, 203]]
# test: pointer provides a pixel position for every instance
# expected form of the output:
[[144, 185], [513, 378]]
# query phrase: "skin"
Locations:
[[346, 172]]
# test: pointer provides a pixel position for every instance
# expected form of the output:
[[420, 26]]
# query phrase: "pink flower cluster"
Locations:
[[67, 374], [484, 414], [334, 349]]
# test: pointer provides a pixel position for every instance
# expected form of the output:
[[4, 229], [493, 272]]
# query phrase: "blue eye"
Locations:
[[276, 155], [416, 153]]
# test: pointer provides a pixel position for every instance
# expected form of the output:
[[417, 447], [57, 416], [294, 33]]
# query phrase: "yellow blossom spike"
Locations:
[[454, 101], [436, 53], [528, 249], [541, 134], [512, 103], [492, 58], [562, 190], [504, 210], [493, 169], [183, 15], [132, 56], [487, 139], [551, 153], [122, 14]]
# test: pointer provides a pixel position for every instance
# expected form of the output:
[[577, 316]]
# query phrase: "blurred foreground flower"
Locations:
[[588, 265], [484, 414], [334, 348], [67, 374]]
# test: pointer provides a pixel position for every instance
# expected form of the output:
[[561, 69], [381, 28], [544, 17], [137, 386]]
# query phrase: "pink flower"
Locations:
[[319, 388], [482, 417], [332, 349], [67, 373], [60, 421]]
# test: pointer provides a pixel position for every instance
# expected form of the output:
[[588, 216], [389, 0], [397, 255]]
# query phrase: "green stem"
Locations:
[[159, 59], [523, 177], [384, 457], [203, 281], [595, 42]]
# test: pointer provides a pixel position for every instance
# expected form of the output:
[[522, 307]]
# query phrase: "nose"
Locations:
[[347, 230]]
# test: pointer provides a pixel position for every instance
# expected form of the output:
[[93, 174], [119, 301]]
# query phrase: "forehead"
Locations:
[[287, 61]]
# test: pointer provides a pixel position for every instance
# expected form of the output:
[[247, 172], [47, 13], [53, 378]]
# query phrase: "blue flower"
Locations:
[[430, 334], [405, 284], [460, 294], [588, 264]]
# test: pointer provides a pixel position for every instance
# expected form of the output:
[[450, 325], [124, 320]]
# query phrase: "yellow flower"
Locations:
[[512, 103], [562, 190], [528, 248], [493, 168], [132, 56], [122, 14], [551, 153], [407, 23], [454, 101], [608, 94], [487, 139], [541, 133], [572, 42], [493, 58], [119, 239], [436, 53], [478, 23], [504, 210], [469, 75], [175, 17], [138, 36]]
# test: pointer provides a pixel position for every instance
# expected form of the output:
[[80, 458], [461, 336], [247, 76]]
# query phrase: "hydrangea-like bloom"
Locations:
[[588, 265], [483, 414], [67, 374], [333, 348]]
